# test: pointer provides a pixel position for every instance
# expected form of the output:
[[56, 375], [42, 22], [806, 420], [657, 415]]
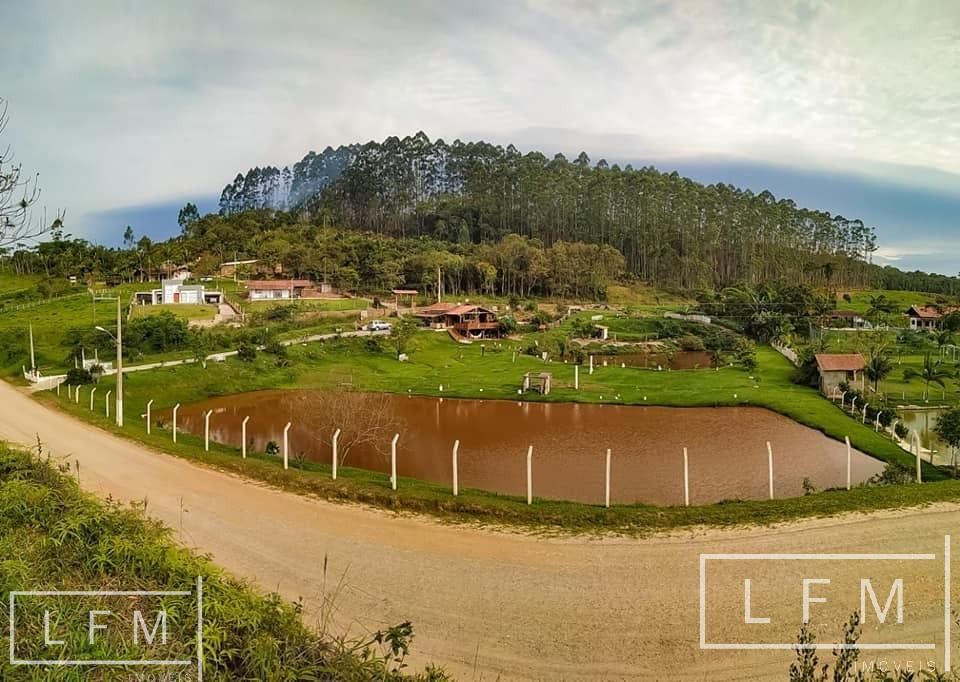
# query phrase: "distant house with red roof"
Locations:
[[928, 316], [271, 289], [835, 368], [466, 320]]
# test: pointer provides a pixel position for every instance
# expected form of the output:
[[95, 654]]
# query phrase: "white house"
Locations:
[[175, 291]]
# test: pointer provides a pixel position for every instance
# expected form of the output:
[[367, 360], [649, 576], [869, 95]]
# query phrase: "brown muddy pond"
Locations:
[[726, 446], [684, 359]]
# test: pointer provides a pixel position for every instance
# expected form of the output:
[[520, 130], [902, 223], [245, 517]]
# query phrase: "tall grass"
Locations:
[[55, 537]]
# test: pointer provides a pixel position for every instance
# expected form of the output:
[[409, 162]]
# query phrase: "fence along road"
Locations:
[[521, 606]]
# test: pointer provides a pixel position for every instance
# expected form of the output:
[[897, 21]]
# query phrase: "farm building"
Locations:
[[837, 368], [928, 316], [470, 321], [282, 289]]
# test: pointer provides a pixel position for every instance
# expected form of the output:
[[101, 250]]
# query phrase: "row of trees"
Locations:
[[354, 261], [672, 231]]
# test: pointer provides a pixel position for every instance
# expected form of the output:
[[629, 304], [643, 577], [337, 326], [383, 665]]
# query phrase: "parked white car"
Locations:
[[379, 326]]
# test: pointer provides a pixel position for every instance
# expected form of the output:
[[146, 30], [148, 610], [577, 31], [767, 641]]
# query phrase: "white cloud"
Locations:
[[117, 104]]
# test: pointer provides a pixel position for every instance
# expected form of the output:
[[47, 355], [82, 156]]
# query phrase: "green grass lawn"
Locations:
[[51, 320], [860, 300], [11, 284], [310, 304], [185, 311]]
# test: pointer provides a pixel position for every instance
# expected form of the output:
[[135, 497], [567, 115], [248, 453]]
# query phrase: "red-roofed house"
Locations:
[[928, 316], [263, 290], [470, 321], [837, 368]]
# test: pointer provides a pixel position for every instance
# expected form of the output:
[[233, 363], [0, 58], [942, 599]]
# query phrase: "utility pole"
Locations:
[[33, 359]]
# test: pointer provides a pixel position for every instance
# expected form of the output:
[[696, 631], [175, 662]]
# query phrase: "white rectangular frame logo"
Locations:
[[748, 646], [110, 593]]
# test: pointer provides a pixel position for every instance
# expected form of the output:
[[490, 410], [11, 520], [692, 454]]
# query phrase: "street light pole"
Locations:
[[118, 339], [119, 365]]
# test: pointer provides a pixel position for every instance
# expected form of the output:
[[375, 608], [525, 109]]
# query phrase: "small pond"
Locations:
[[726, 445]]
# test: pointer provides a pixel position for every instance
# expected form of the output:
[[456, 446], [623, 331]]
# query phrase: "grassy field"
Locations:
[[897, 388], [10, 284], [860, 300], [53, 536], [464, 372], [51, 320], [185, 311], [310, 305]]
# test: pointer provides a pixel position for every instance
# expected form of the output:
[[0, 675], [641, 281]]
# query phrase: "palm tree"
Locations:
[[877, 369], [944, 338], [932, 372], [879, 307]]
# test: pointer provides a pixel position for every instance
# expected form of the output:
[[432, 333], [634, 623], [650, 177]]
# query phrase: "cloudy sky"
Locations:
[[128, 109]]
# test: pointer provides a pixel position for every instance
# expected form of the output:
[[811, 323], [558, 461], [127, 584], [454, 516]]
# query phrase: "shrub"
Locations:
[[78, 375], [247, 352], [893, 473], [901, 430], [276, 348], [691, 342]]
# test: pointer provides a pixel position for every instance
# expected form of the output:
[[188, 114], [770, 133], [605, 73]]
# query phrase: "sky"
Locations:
[[129, 109]]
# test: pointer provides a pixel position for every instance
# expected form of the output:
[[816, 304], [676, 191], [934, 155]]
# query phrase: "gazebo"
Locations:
[[399, 293]]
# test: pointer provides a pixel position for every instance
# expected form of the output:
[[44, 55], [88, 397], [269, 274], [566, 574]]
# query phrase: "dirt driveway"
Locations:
[[485, 603]]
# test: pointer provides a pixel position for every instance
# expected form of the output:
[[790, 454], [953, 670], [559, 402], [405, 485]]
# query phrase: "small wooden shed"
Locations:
[[539, 382]]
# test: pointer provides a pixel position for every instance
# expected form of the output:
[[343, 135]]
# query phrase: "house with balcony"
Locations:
[[464, 320]]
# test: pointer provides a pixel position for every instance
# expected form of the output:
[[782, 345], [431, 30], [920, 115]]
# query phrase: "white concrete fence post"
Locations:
[[149, 405], [530, 474], [843, 400], [106, 403], [864, 420], [876, 424], [456, 476], [175, 408], [286, 445], [243, 437], [916, 441], [93, 392], [591, 364], [849, 458], [606, 486], [336, 453], [770, 467], [393, 461], [76, 394], [58, 390], [576, 377], [206, 429], [686, 479]]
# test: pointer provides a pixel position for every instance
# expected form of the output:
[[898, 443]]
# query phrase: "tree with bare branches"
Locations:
[[18, 195], [366, 420]]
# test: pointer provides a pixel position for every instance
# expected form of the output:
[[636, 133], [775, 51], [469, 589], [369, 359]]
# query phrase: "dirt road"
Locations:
[[487, 604]]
